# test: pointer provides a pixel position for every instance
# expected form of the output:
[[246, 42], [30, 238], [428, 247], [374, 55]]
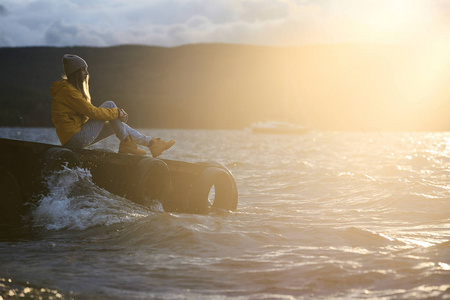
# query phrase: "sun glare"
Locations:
[[385, 20], [399, 14]]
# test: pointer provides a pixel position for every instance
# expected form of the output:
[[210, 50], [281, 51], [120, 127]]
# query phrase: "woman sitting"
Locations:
[[80, 124]]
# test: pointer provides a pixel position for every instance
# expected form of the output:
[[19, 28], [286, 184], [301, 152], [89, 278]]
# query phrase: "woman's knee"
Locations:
[[108, 104]]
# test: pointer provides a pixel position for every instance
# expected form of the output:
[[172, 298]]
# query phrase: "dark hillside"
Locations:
[[333, 87]]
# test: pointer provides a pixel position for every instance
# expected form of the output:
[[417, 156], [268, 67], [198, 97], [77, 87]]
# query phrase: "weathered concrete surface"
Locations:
[[179, 186]]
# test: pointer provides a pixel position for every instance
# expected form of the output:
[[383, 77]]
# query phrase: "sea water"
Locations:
[[326, 215]]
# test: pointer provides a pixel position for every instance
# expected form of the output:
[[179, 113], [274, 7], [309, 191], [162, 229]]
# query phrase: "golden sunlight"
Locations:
[[426, 74], [398, 15]]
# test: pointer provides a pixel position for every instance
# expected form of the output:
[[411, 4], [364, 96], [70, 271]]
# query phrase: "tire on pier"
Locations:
[[225, 190], [152, 181], [54, 159]]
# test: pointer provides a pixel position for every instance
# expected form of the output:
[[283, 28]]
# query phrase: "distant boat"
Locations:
[[276, 127]]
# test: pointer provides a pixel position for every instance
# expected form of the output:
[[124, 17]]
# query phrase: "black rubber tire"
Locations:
[[226, 194], [220, 166], [153, 181], [11, 203]]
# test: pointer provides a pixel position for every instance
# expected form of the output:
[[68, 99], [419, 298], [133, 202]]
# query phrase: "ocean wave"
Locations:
[[75, 202], [323, 216]]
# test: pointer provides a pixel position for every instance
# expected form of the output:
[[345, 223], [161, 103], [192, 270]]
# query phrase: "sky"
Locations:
[[260, 22]]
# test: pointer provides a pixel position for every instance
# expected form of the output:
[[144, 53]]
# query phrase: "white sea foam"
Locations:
[[75, 202]]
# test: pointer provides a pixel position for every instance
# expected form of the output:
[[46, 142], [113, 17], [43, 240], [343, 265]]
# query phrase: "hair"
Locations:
[[76, 79]]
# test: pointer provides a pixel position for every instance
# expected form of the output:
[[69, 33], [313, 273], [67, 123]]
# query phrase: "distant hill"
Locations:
[[221, 86]]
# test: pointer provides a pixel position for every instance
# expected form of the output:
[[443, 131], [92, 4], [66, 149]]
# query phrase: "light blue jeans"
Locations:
[[93, 131]]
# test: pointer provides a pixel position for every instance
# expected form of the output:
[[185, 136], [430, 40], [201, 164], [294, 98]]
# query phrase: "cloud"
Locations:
[[169, 12], [64, 34], [175, 22], [3, 11], [5, 41], [263, 10]]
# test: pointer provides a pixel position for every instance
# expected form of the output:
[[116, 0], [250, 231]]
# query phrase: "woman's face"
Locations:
[[84, 73]]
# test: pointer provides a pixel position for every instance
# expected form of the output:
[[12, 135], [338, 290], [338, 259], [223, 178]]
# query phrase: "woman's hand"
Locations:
[[123, 116]]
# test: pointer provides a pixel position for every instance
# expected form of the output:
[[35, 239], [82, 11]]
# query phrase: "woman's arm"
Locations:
[[82, 106]]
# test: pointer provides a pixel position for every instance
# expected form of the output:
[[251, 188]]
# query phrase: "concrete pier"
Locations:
[[182, 187]]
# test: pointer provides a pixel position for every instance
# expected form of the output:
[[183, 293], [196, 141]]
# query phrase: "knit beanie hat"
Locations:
[[72, 63]]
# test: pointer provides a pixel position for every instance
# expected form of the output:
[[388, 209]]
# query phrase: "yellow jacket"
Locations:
[[70, 110]]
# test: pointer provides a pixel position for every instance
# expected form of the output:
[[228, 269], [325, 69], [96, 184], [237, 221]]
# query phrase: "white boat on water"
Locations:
[[276, 127]]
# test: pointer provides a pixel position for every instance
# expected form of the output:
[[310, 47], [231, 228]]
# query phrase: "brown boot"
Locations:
[[157, 146], [129, 146]]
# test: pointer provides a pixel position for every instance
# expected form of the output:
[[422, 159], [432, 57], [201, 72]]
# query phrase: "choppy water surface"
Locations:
[[324, 215]]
